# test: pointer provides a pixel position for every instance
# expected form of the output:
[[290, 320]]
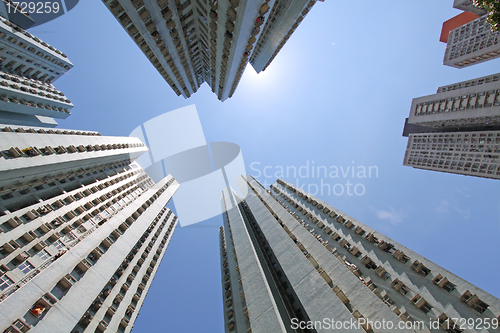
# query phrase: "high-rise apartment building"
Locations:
[[293, 263], [457, 130], [82, 230], [469, 37], [191, 42], [28, 67]]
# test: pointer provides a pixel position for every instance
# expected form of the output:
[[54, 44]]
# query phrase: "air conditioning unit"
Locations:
[[72, 149], [14, 221], [48, 150], [61, 150], [264, 9], [15, 152]]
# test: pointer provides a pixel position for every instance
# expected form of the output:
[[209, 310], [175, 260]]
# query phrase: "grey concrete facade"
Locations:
[[466, 153], [192, 42], [81, 237], [330, 266]]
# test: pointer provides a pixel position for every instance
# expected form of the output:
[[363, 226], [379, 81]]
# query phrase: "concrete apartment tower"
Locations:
[[28, 67], [191, 42], [457, 130], [469, 37], [292, 263], [82, 230]]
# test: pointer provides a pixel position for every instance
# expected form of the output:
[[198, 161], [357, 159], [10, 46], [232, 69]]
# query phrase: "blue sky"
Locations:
[[336, 95]]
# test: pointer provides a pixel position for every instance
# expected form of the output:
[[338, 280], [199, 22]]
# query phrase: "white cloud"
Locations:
[[392, 215], [464, 213], [443, 206], [464, 192]]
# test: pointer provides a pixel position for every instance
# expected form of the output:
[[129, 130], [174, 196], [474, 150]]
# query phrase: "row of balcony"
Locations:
[[27, 82], [39, 183], [38, 105], [35, 92], [51, 181], [483, 99], [58, 222], [15, 152], [471, 83], [46, 131]]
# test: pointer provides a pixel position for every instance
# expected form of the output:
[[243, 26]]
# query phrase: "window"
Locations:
[[5, 282], [25, 267], [58, 244], [43, 255]]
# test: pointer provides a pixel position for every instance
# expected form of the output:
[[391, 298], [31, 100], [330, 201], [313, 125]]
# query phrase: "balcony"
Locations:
[[359, 231], [400, 286], [326, 277], [14, 221], [345, 244], [420, 268], [474, 302], [312, 261], [9, 247], [355, 251], [443, 282], [231, 14], [380, 271], [340, 294], [399, 255], [336, 237], [420, 303], [371, 238]]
